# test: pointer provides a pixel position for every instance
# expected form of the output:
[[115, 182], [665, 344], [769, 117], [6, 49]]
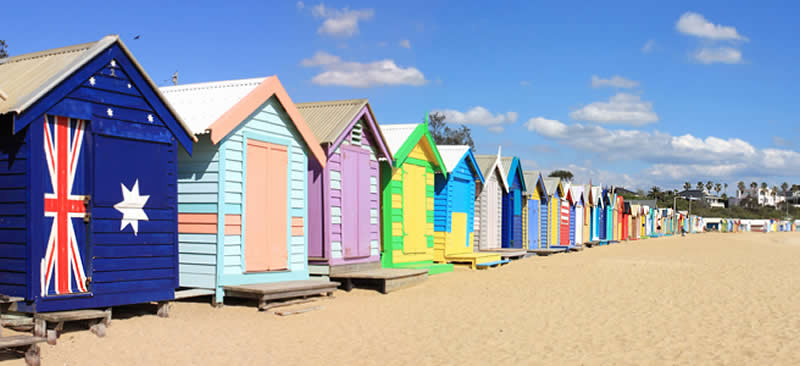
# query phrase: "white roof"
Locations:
[[451, 155], [201, 104], [397, 134]]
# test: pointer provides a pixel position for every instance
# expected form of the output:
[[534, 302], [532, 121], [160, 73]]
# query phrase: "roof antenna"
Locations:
[[175, 78]]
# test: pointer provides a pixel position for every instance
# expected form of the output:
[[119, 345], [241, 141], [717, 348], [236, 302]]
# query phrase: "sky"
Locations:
[[624, 93]]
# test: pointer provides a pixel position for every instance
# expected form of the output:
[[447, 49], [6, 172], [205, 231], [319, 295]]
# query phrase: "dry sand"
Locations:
[[702, 299]]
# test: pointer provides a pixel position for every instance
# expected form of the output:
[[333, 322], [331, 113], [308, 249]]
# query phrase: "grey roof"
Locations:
[[24, 79], [550, 184], [507, 160], [327, 120], [485, 163], [531, 177]]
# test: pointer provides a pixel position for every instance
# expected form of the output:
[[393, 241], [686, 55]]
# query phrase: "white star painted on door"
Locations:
[[131, 207], [91, 80], [150, 118], [113, 63], [110, 112]]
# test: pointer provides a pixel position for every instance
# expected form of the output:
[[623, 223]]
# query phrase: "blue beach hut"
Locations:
[[537, 210], [512, 204], [88, 195]]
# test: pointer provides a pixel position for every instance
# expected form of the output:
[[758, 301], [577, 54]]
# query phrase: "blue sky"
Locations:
[[627, 93]]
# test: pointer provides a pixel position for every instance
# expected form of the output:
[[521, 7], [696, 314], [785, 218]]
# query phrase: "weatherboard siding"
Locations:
[[453, 195], [13, 213]]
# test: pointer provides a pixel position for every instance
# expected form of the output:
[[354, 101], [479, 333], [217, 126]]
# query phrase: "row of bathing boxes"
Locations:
[[114, 191]]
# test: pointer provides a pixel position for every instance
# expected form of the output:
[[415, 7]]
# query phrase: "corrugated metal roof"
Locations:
[[397, 134], [485, 163], [201, 104], [26, 78], [550, 184], [327, 120], [577, 191], [507, 160], [451, 155], [23, 77], [531, 177]]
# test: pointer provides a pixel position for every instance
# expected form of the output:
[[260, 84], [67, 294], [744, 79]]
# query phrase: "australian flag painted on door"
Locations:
[[88, 195]]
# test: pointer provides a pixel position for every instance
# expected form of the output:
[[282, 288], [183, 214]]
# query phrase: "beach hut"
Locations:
[[512, 204], [243, 209], [407, 188], [536, 200], [588, 206], [565, 222], [609, 202], [555, 191], [88, 198], [625, 223], [344, 196], [488, 205], [598, 210], [577, 213], [454, 202]]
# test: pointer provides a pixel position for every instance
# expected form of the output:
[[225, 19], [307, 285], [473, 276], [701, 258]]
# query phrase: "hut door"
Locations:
[[533, 224], [355, 201], [265, 237], [492, 207], [414, 209], [67, 164]]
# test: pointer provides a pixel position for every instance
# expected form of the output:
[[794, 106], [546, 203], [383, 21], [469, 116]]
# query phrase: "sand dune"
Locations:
[[702, 299]]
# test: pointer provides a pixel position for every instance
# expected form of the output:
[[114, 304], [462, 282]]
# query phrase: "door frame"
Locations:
[[247, 135]]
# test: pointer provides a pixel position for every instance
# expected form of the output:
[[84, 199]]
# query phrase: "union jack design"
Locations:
[[62, 263]]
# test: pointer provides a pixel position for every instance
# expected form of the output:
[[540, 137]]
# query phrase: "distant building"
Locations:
[[702, 195], [764, 197]]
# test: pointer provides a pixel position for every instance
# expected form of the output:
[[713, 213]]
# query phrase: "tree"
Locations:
[[753, 185], [687, 186], [709, 185], [444, 135], [699, 186], [784, 187], [726, 187], [764, 186], [741, 187], [563, 174], [717, 188], [3, 49], [655, 193]]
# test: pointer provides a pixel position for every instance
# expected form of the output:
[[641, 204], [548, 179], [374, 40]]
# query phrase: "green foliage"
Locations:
[[3, 49], [563, 174], [444, 135]]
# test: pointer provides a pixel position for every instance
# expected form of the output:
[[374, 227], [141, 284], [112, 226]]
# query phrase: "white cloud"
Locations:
[[361, 75], [672, 158], [695, 24], [300, 5], [649, 46], [621, 108], [480, 116], [547, 127], [340, 22], [615, 81], [710, 55], [405, 43]]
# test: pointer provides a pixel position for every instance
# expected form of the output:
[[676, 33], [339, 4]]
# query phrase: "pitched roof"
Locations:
[[397, 134], [531, 178], [327, 120], [202, 104], [219, 107], [551, 184], [452, 154], [486, 163], [507, 162], [25, 79], [577, 193]]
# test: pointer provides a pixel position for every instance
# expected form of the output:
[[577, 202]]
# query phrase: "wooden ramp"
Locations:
[[547, 251], [386, 279], [266, 292], [473, 259], [510, 253]]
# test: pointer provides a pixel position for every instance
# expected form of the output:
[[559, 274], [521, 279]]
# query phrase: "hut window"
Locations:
[[373, 184], [336, 215], [336, 180], [373, 216], [356, 134]]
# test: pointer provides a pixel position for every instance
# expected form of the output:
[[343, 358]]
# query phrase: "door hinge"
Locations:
[[88, 280], [87, 216]]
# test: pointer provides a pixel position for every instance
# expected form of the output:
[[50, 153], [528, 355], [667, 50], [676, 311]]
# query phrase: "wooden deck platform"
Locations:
[[386, 279], [510, 253], [266, 292], [547, 251], [576, 248], [493, 264], [99, 320], [29, 344], [473, 259]]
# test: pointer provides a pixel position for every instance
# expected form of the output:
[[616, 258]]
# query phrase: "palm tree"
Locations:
[[785, 189], [718, 187], [726, 187], [687, 186], [740, 185], [654, 193], [709, 185], [699, 186], [775, 195], [764, 185]]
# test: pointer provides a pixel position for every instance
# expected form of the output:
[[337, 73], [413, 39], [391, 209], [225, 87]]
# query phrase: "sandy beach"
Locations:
[[703, 299]]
